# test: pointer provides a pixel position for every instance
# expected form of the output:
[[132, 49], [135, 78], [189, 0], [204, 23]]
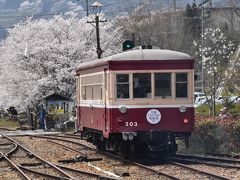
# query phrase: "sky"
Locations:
[[15, 11]]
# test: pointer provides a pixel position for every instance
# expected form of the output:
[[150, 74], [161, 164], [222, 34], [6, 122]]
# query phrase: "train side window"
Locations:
[[83, 92], [181, 85], [89, 92], [162, 84], [142, 85], [122, 83], [97, 92]]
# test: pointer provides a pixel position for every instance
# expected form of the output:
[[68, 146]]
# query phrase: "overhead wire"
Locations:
[[20, 10], [17, 18], [113, 12], [22, 17]]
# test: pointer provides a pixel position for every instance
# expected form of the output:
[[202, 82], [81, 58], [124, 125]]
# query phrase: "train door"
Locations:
[[78, 98], [105, 96]]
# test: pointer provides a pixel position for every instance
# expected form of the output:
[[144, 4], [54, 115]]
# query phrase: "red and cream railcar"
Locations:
[[136, 98]]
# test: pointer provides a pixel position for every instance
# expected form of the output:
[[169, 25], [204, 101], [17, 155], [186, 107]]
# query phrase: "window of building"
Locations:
[[162, 84], [181, 85], [122, 83], [141, 85]]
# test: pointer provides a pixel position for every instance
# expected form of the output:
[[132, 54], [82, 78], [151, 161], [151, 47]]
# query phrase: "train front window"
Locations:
[[142, 85], [162, 84], [122, 82], [181, 85]]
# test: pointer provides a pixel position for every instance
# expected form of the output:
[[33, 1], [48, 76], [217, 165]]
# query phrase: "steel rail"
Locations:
[[70, 134], [11, 150], [227, 160], [42, 174], [110, 155], [50, 164], [69, 148], [233, 156], [66, 136], [155, 171], [141, 165], [203, 162], [88, 173], [14, 149], [15, 167], [78, 171], [64, 140], [201, 171]]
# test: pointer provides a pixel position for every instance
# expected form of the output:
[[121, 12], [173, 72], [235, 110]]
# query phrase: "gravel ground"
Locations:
[[53, 153]]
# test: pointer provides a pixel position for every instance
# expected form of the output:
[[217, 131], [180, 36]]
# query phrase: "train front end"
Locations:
[[152, 102]]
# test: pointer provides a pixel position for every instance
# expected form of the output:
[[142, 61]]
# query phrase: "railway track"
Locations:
[[108, 158], [182, 167], [167, 170], [213, 161], [227, 166], [21, 163], [19, 155]]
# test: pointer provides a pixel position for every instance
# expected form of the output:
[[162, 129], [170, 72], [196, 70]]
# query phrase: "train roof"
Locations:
[[138, 55]]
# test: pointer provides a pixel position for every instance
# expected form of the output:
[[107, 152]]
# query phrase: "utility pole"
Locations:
[[87, 12], [174, 5], [97, 5], [202, 6]]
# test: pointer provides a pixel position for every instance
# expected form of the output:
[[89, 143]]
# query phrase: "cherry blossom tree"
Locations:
[[40, 56], [214, 55]]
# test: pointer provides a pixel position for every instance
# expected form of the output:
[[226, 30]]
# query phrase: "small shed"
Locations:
[[56, 103], [57, 107]]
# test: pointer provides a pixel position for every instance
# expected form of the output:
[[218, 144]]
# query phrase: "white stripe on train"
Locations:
[[110, 106]]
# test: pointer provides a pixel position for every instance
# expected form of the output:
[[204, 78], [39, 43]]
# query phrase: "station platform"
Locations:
[[28, 132]]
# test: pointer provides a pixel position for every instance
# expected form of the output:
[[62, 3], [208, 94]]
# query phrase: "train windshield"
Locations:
[[162, 84], [181, 85], [142, 85], [122, 81]]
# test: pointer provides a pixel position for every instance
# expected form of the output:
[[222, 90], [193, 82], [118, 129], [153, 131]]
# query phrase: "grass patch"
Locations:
[[8, 124]]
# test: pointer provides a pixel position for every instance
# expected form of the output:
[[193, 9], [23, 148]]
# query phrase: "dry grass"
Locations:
[[4, 123]]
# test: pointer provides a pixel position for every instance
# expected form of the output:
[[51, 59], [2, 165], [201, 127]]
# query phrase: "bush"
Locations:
[[235, 110], [235, 135], [208, 137], [22, 115], [212, 135], [202, 110], [232, 127]]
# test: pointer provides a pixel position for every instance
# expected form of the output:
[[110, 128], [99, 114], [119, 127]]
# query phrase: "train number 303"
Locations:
[[131, 124]]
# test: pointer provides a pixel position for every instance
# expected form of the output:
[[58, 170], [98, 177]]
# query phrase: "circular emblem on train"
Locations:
[[153, 116]]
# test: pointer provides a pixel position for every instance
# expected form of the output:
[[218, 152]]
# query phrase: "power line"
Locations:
[[22, 17], [27, 8]]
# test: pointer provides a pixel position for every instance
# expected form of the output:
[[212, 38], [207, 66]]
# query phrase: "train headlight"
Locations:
[[123, 109], [182, 109]]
